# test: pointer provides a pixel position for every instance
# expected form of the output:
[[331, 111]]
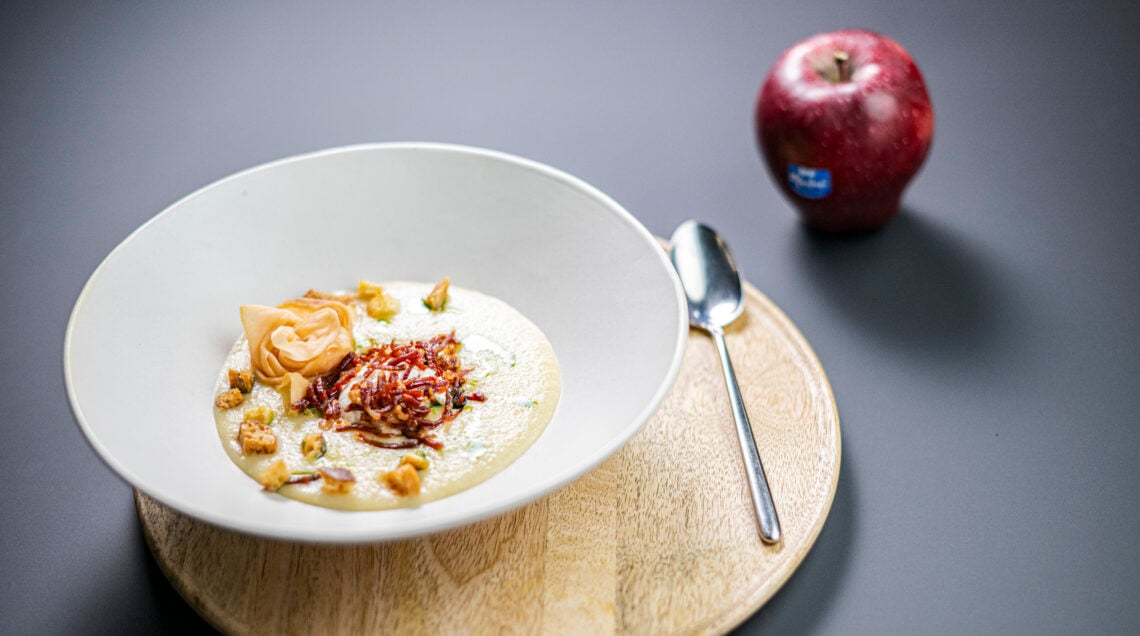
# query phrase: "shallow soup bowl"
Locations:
[[152, 326]]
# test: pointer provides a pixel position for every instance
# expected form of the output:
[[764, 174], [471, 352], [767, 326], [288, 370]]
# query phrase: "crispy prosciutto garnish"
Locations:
[[395, 395]]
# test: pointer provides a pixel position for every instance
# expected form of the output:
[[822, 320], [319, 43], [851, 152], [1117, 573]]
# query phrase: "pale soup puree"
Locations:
[[434, 392]]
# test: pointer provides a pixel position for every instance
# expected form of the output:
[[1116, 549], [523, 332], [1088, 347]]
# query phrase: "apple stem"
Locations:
[[841, 64]]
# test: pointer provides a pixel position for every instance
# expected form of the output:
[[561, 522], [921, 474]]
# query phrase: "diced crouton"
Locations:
[[419, 462], [367, 289], [229, 399], [262, 414], [256, 438], [313, 446], [382, 306], [449, 355], [403, 481], [437, 299], [275, 476], [336, 481], [241, 380]]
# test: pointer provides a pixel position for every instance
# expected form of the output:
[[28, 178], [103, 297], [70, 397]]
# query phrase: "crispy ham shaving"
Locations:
[[395, 395]]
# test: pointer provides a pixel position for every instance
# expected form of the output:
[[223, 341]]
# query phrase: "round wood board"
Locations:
[[659, 539]]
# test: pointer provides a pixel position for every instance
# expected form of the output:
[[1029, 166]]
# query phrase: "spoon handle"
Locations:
[[758, 483]]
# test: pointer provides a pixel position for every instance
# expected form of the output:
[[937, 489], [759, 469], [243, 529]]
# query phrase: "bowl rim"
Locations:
[[380, 532]]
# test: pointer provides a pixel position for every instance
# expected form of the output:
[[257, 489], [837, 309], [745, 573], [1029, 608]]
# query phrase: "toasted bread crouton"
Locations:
[[229, 399], [241, 380], [336, 481], [382, 306], [275, 476], [262, 414], [378, 303], [256, 438], [313, 446], [403, 481], [419, 462], [437, 299], [367, 289]]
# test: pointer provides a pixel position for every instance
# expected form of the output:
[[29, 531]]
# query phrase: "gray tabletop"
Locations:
[[982, 348]]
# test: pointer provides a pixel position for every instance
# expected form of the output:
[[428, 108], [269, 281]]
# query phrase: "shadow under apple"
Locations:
[[910, 285]]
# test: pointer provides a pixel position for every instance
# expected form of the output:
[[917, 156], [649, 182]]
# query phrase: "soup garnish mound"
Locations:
[[396, 395]]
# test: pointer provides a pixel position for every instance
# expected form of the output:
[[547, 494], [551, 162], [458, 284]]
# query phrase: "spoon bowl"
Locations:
[[709, 275]]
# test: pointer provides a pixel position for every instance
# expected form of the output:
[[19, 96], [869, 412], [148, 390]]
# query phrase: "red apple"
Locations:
[[844, 122]]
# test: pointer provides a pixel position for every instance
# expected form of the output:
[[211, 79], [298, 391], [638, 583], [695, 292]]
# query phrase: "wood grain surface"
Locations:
[[660, 539]]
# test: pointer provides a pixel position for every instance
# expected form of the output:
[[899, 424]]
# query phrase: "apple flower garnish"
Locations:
[[296, 340]]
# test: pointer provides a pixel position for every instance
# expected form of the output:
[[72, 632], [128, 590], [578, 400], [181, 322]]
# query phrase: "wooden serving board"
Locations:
[[659, 539]]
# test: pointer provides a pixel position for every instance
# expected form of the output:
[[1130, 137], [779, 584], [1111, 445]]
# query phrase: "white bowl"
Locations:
[[152, 326]]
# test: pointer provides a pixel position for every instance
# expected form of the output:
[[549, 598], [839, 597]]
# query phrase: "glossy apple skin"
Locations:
[[872, 132]]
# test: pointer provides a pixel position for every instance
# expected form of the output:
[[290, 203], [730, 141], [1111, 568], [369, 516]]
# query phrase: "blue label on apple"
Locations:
[[809, 183]]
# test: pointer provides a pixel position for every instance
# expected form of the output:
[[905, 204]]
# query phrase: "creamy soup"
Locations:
[[505, 387]]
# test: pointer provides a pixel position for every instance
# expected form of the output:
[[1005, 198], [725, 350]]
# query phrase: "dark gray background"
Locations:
[[982, 349]]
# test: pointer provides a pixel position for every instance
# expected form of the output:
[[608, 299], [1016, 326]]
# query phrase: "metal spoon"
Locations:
[[712, 286]]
